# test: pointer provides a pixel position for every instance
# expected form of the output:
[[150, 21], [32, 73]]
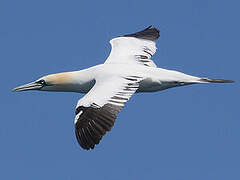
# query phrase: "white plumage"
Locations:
[[131, 50], [127, 70]]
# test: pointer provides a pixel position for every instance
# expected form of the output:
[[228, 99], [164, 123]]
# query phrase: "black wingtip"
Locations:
[[149, 33], [93, 123]]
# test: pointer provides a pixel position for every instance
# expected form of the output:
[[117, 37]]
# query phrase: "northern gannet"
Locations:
[[108, 86]]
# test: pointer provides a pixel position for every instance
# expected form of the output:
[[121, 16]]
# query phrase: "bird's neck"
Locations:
[[76, 81]]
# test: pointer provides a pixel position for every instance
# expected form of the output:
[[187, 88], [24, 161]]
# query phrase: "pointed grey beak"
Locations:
[[29, 86]]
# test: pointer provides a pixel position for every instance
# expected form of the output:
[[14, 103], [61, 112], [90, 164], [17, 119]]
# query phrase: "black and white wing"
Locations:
[[135, 48], [96, 111]]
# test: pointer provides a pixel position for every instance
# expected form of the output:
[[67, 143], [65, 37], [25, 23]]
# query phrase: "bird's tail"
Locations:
[[207, 80]]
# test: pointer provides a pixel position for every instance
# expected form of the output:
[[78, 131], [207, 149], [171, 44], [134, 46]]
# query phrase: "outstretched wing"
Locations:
[[135, 48], [96, 111]]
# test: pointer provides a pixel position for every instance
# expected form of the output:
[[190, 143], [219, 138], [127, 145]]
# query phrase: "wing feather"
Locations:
[[97, 111], [135, 48]]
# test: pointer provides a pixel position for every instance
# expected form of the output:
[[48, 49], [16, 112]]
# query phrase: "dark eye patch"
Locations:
[[42, 82]]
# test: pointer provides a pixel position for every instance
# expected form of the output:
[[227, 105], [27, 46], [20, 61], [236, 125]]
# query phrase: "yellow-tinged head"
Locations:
[[52, 82], [57, 79]]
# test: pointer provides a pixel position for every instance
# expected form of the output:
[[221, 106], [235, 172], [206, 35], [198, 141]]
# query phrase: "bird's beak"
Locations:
[[29, 86]]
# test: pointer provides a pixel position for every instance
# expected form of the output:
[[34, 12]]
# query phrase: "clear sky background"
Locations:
[[182, 133]]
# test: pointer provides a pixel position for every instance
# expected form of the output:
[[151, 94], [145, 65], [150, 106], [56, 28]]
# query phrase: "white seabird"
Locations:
[[108, 86]]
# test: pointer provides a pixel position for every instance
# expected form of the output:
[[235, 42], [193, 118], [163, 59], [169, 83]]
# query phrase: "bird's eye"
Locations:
[[41, 82]]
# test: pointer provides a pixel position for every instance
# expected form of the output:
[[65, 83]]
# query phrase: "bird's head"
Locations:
[[52, 82]]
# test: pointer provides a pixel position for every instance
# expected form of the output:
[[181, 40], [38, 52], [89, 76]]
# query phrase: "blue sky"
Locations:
[[185, 133]]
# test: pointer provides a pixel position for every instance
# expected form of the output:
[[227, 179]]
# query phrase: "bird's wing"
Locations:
[[135, 48], [96, 111]]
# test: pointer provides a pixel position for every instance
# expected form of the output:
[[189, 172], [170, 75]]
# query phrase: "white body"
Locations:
[[127, 70], [154, 79]]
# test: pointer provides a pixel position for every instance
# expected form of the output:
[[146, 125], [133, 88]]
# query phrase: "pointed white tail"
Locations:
[[215, 80]]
